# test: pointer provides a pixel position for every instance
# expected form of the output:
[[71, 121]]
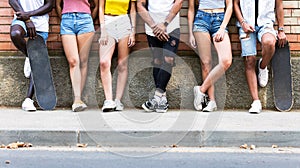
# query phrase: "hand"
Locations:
[[22, 16], [160, 31], [103, 40], [131, 40], [219, 35], [281, 39], [248, 28], [30, 29], [192, 41]]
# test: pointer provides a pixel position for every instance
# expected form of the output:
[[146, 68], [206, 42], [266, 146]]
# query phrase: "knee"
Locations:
[[226, 63], [83, 64], [157, 62], [16, 35], [269, 42], [122, 66], [73, 63], [105, 64], [206, 66], [169, 60]]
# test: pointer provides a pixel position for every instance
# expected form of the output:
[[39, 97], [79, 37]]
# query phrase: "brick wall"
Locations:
[[292, 27]]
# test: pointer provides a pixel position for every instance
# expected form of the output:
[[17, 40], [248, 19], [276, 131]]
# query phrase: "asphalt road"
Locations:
[[149, 158]]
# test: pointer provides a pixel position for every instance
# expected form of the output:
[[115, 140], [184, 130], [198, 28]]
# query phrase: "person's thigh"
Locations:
[[70, 47]]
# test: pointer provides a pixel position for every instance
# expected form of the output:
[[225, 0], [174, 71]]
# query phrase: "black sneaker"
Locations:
[[151, 104], [163, 105]]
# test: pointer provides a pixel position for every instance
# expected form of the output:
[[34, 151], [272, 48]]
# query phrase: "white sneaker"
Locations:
[[263, 75], [108, 105], [27, 68], [78, 106], [198, 98], [27, 105], [211, 106], [119, 105], [255, 107]]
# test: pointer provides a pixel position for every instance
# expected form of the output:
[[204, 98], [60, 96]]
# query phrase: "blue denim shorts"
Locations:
[[76, 23], [22, 24], [208, 22], [248, 42]]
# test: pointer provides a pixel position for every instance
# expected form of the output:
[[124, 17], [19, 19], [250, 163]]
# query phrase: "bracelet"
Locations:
[[27, 20], [243, 21], [280, 28]]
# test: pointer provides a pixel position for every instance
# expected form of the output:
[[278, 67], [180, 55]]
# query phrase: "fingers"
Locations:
[[103, 41], [281, 42], [131, 41], [251, 28]]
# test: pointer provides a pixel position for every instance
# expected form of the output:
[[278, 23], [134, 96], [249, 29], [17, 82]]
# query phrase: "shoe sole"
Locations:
[[161, 110], [110, 109], [119, 109], [78, 109], [146, 108], [254, 112], [197, 107], [29, 110], [214, 109]]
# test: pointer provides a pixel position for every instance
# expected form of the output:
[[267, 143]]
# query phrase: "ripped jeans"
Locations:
[[164, 53]]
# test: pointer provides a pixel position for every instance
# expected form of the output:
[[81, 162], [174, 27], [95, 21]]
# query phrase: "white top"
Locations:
[[41, 23], [211, 4], [266, 14], [159, 10]]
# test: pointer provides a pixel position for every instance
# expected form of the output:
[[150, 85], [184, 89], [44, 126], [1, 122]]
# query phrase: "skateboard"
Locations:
[[282, 78], [41, 73]]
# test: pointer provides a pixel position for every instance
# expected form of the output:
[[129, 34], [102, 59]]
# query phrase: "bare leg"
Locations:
[[204, 49], [268, 42], [84, 46], [71, 51], [225, 58], [123, 51], [250, 62], [106, 53], [17, 34]]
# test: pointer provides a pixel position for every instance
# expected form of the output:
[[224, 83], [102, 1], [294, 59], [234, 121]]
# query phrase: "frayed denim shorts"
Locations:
[[208, 22], [22, 24], [76, 23], [248, 42]]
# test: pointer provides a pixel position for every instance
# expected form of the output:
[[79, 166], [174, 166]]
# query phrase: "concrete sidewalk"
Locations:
[[135, 128]]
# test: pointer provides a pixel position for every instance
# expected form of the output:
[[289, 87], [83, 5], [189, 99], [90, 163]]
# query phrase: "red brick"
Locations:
[[6, 12]]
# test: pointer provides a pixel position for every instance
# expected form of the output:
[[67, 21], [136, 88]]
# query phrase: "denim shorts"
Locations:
[[208, 22], [169, 48], [22, 24], [117, 27], [76, 23], [249, 43]]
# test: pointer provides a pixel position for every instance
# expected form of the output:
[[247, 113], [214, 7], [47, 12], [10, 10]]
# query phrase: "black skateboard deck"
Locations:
[[41, 73], [282, 78]]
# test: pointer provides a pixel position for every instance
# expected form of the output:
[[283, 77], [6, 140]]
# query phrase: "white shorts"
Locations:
[[117, 27]]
